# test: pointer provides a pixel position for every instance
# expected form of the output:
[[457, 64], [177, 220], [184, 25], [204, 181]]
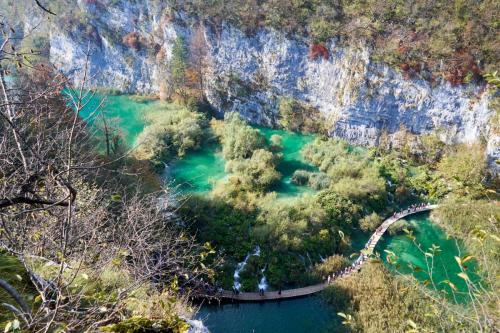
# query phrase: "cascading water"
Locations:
[[263, 282], [196, 326], [241, 266]]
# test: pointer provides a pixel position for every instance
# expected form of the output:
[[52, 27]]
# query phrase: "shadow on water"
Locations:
[[308, 314]]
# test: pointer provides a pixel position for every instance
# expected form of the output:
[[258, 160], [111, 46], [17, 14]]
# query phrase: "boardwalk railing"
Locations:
[[298, 292]]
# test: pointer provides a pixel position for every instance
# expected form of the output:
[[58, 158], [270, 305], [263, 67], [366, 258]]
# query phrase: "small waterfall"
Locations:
[[263, 281], [196, 326], [241, 266]]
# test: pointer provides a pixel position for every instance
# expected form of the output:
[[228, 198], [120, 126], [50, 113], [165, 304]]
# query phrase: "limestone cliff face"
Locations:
[[360, 99]]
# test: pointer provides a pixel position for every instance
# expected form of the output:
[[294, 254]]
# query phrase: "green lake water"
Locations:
[[195, 173], [121, 111], [308, 314], [197, 170], [291, 161], [412, 260]]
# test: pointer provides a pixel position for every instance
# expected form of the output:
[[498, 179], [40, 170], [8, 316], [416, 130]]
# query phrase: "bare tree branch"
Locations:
[[43, 8]]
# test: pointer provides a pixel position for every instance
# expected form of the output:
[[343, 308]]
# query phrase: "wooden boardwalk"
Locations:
[[309, 290], [274, 295]]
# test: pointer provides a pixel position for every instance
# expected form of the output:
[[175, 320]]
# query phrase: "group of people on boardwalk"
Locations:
[[374, 239], [412, 209], [355, 266]]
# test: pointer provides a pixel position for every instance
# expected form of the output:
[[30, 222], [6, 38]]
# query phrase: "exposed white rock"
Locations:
[[249, 74]]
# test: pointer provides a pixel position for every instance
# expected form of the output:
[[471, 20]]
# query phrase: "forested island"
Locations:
[[159, 160]]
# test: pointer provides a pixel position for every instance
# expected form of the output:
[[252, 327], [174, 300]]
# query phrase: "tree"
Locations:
[[87, 242], [198, 59], [370, 222], [238, 139], [178, 67], [257, 173]]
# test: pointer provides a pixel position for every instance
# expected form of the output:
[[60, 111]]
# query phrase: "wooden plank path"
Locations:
[[274, 295], [309, 290]]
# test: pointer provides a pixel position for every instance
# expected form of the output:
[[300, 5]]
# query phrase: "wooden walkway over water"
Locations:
[[309, 290]]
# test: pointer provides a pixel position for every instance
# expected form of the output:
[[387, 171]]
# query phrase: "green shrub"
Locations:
[[257, 173], [370, 222], [315, 180], [171, 131], [238, 139]]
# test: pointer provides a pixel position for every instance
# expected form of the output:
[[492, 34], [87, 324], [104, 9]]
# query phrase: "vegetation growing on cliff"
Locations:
[[299, 118], [455, 40]]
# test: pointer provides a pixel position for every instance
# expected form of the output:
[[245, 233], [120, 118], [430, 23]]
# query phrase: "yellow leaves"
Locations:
[[347, 318], [413, 326], [464, 276], [324, 234], [467, 258], [495, 237], [450, 284], [463, 260], [116, 198], [12, 326], [341, 234]]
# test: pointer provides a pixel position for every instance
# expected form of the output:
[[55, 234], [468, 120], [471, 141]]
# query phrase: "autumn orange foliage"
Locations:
[[318, 50]]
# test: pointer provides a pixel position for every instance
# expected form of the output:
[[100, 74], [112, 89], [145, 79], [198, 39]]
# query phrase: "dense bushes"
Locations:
[[376, 301], [370, 222], [332, 264], [238, 139], [463, 166], [352, 174], [315, 180], [250, 161], [257, 173], [172, 130]]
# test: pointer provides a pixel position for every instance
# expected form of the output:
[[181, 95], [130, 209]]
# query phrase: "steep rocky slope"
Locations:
[[359, 98]]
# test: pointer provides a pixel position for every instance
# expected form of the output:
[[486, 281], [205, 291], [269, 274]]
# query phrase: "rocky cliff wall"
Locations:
[[359, 98]]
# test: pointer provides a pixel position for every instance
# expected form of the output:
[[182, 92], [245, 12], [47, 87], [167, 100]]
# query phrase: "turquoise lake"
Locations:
[[196, 172]]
